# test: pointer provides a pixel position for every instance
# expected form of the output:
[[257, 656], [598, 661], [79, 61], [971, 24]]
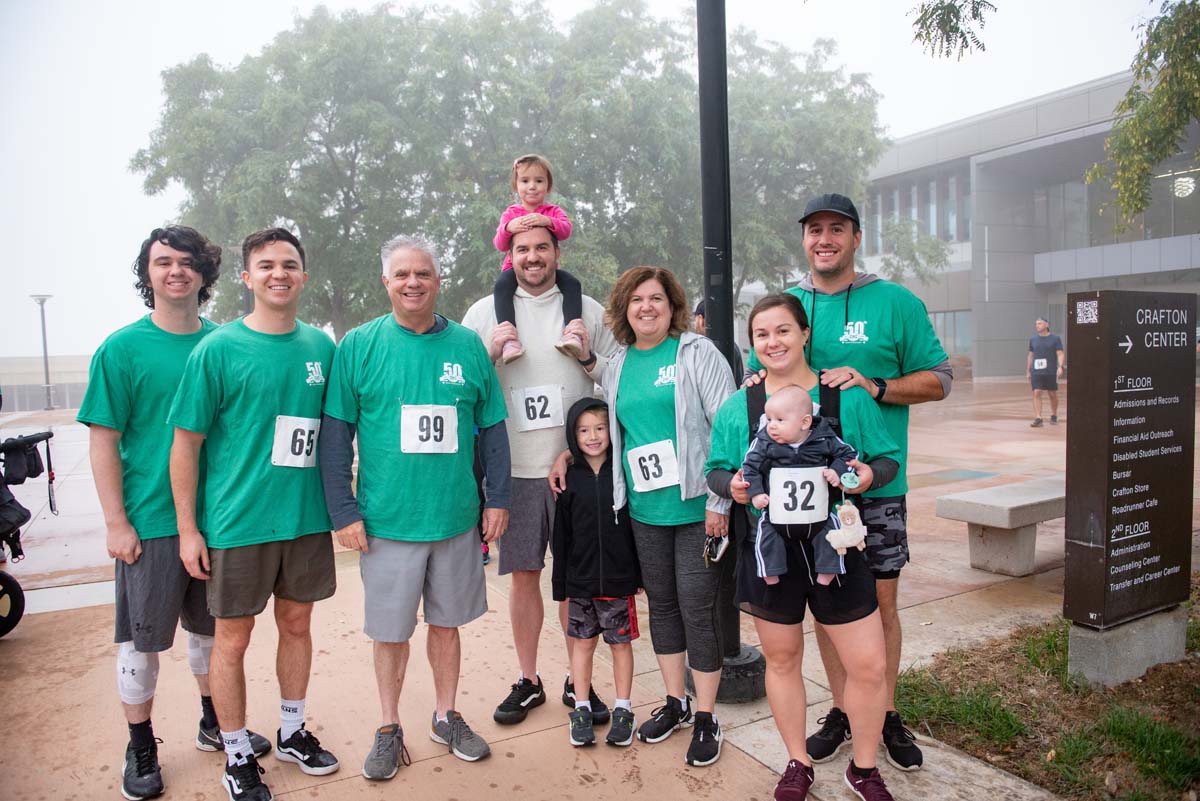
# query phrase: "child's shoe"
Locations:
[[512, 351], [570, 345], [487, 554], [581, 726], [621, 732]]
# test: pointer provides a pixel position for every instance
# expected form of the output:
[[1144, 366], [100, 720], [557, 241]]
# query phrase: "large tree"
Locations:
[[351, 128], [1154, 116]]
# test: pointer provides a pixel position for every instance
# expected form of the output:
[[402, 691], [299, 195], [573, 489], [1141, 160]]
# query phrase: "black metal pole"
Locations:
[[744, 670]]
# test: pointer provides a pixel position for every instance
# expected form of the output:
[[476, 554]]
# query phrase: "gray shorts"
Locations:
[[886, 520], [523, 546], [154, 594], [243, 578], [615, 617], [396, 575]]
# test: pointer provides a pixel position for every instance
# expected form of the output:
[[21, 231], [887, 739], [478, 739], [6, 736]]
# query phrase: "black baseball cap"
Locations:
[[838, 204], [699, 308]]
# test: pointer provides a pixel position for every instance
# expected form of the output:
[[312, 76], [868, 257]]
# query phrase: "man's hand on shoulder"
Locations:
[[754, 378], [845, 377]]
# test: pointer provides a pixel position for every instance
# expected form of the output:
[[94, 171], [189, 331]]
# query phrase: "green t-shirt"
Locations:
[[131, 383], [646, 412], [862, 427], [883, 331], [257, 399], [416, 399]]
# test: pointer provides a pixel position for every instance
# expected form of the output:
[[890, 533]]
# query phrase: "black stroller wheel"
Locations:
[[12, 603]]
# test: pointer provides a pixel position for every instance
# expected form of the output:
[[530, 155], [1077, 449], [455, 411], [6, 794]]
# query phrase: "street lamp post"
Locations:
[[40, 300]]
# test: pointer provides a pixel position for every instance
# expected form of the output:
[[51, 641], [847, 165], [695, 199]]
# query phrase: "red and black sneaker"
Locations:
[[795, 783], [869, 787]]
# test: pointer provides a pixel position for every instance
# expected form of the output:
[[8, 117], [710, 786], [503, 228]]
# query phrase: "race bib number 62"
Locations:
[[428, 429], [295, 442]]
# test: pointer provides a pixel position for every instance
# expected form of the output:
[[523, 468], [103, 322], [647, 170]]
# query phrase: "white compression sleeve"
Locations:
[[137, 674], [199, 653]]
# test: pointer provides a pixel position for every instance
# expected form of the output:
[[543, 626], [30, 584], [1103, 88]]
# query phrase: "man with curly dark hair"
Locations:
[[132, 381]]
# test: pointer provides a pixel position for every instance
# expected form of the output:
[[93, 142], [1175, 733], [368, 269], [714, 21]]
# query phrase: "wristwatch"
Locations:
[[588, 362], [879, 382]]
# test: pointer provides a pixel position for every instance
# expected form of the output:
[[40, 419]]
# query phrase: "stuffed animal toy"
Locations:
[[851, 534]]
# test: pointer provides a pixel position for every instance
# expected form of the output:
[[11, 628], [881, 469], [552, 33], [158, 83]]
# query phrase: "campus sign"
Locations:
[[1129, 454]]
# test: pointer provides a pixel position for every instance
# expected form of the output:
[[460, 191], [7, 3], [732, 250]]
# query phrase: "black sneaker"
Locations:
[[1037, 423], [824, 744], [210, 740], [1054, 419], [706, 741], [665, 720], [525, 696], [581, 726], [142, 777], [902, 750], [305, 750], [600, 711], [241, 780], [620, 733]]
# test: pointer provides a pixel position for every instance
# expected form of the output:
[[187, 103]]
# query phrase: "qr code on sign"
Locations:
[[1087, 311]]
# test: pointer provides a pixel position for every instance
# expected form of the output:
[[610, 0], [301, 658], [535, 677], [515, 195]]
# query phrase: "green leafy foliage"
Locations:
[[909, 252], [352, 128], [947, 28], [1153, 117]]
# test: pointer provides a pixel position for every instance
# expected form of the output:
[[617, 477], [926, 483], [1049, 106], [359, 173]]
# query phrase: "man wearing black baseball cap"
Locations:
[[874, 334]]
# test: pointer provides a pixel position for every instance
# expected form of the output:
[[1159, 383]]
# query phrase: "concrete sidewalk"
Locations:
[[57, 681]]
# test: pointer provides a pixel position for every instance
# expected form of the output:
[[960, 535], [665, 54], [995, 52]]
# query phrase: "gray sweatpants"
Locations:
[[681, 592]]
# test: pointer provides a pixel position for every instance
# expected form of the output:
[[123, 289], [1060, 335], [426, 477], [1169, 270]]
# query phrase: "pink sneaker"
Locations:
[[868, 788], [570, 345], [512, 351]]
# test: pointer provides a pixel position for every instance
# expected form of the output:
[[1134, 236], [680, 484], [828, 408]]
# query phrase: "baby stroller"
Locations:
[[21, 461]]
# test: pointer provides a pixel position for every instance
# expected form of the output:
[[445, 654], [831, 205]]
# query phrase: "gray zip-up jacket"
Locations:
[[702, 383]]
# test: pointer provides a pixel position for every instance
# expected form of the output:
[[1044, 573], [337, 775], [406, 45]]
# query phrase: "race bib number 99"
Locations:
[[428, 429], [295, 442], [798, 495], [654, 466], [538, 407]]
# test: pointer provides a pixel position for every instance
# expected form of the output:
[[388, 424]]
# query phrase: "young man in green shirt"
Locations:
[[874, 334], [252, 395], [413, 386], [133, 377]]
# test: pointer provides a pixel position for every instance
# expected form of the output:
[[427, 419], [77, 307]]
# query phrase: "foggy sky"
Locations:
[[82, 93]]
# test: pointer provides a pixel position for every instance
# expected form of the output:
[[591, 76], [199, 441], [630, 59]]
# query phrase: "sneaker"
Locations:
[[581, 726], [621, 731], [570, 345], [525, 696], [706, 741], [795, 783], [387, 755], [143, 776], [512, 351], [600, 710], [824, 744], [305, 750], [665, 720], [1054, 419], [902, 750], [868, 788], [487, 553], [454, 732], [210, 740], [241, 780], [1037, 423]]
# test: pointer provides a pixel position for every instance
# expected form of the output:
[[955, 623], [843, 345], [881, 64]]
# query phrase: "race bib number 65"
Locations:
[[295, 442], [428, 429], [798, 495]]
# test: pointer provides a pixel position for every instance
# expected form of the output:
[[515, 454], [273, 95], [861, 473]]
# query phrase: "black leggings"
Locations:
[[568, 285]]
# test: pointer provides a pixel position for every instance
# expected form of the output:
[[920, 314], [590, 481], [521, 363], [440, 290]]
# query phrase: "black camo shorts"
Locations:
[[615, 617], [886, 520]]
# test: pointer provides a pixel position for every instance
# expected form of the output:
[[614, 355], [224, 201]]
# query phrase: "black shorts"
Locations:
[[850, 597], [1048, 381]]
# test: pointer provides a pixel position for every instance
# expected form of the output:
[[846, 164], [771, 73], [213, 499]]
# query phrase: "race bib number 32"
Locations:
[[295, 442], [538, 407], [654, 466], [798, 495], [428, 429]]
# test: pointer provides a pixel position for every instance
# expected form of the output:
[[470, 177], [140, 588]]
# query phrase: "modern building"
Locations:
[[1005, 191]]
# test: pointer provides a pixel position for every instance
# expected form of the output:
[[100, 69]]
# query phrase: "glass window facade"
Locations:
[[953, 330], [1174, 207]]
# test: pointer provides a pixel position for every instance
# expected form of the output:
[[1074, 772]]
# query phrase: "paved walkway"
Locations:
[[56, 671]]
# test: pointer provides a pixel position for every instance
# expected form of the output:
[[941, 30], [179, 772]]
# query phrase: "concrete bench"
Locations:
[[1002, 521]]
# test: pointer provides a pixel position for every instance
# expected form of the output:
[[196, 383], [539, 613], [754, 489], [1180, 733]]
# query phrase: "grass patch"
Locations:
[[1159, 750], [921, 696], [1073, 753]]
